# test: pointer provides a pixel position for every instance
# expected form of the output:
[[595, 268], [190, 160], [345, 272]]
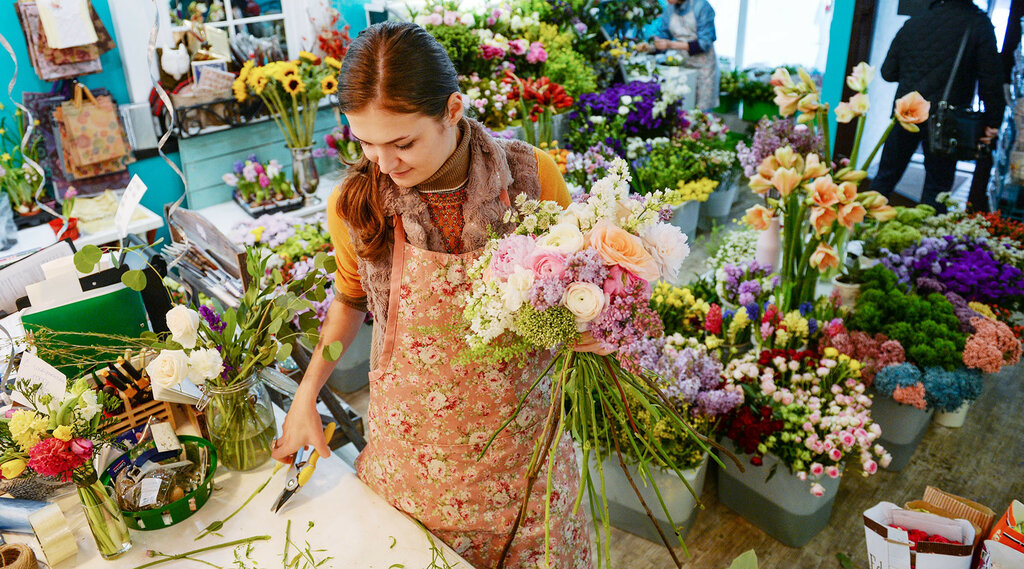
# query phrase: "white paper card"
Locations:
[[129, 201], [164, 437], [66, 23], [36, 371]]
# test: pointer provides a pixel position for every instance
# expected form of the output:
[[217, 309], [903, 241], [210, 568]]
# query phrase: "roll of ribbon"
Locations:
[[54, 535]]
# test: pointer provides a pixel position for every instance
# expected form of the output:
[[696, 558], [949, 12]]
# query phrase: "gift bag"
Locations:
[[890, 547], [995, 555], [94, 132], [1004, 529], [66, 23], [46, 68]]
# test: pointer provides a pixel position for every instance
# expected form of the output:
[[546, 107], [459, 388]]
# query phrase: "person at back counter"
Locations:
[[688, 26]]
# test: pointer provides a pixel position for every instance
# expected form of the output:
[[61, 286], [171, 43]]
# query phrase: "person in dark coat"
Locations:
[[921, 59]]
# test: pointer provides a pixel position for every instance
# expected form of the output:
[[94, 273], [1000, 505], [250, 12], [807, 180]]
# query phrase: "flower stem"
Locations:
[[881, 141], [219, 524], [856, 141], [204, 549]]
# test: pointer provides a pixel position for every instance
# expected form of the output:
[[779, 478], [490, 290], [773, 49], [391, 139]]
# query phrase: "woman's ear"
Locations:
[[456, 108]]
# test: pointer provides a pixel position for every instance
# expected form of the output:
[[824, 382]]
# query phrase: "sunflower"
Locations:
[[293, 85], [305, 55], [253, 76], [333, 62], [261, 83], [246, 68], [284, 70], [239, 89], [329, 84]]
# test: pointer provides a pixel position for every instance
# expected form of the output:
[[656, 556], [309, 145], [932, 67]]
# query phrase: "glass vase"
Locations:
[[304, 176], [104, 516], [241, 422]]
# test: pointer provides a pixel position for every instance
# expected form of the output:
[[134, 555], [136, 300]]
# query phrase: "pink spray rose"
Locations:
[[546, 264]]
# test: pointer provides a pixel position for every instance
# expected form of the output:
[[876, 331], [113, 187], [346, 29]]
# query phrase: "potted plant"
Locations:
[[730, 91], [17, 178], [539, 100], [755, 91], [66, 226], [847, 283], [261, 188]]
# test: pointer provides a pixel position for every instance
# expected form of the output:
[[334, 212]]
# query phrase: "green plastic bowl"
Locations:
[[176, 511]]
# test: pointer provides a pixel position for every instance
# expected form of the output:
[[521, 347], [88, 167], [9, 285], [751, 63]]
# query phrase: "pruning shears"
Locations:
[[301, 470]]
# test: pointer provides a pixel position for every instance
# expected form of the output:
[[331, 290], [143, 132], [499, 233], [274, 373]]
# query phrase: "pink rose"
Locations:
[[835, 454], [519, 46], [817, 469], [870, 467], [546, 264], [832, 472], [848, 439], [491, 21], [818, 490], [620, 279], [512, 252], [537, 53], [82, 448]]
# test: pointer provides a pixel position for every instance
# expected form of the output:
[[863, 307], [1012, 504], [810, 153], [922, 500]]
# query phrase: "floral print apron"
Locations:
[[431, 413], [684, 28]]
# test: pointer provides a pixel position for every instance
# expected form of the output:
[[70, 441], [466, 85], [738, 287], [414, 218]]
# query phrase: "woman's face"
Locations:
[[408, 147]]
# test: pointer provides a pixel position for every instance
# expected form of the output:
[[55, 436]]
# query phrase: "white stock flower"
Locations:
[[89, 406], [169, 368], [183, 322], [204, 365], [517, 287], [667, 244]]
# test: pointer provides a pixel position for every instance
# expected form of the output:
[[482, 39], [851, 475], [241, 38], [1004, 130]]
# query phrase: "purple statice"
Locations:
[[586, 266], [628, 318], [212, 319], [546, 293], [772, 134], [961, 265], [640, 119]]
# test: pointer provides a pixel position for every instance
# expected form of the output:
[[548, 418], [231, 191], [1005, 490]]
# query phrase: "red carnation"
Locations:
[[54, 457]]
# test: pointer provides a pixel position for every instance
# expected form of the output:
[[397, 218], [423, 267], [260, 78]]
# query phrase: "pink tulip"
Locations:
[[82, 448]]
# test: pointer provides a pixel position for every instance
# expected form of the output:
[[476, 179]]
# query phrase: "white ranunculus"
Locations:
[[169, 368], [584, 300], [517, 288], [667, 244], [566, 238], [204, 365], [183, 322]]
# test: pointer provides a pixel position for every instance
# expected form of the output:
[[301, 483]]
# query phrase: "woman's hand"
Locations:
[[661, 44], [302, 426], [588, 344], [990, 135]]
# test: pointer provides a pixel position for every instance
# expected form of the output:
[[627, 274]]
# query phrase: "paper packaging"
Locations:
[[1003, 531], [978, 514], [889, 548], [995, 555]]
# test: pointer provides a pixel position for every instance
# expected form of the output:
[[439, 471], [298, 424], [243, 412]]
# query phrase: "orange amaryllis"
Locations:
[[860, 104], [758, 217], [788, 158], [824, 192], [814, 167], [851, 214], [911, 110], [781, 78], [787, 102], [759, 184], [766, 169], [822, 218], [847, 192], [824, 258], [786, 180], [877, 205]]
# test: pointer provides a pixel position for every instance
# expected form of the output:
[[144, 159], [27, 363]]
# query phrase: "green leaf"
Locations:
[[284, 352], [397, 566], [230, 317], [135, 280], [87, 258], [333, 351], [393, 542], [844, 561], [275, 326], [331, 264], [748, 560], [278, 279], [148, 335]]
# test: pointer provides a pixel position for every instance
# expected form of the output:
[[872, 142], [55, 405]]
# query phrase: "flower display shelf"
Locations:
[[194, 120], [625, 511], [136, 415], [903, 427], [782, 507], [272, 207]]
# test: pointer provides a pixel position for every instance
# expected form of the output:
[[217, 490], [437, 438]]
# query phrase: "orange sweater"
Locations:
[[347, 280]]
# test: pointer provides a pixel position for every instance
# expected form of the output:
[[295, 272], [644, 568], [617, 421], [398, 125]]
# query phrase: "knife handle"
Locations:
[[307, 471]]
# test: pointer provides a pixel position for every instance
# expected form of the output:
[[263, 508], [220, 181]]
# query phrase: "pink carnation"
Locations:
[[491, 52], [511, 253], [54, 457]]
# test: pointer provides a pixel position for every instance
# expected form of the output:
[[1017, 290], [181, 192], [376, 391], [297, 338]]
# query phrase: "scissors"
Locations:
[[301, 470]]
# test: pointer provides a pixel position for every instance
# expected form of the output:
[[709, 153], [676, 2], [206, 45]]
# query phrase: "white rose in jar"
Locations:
[[183, 322], [169, 368]]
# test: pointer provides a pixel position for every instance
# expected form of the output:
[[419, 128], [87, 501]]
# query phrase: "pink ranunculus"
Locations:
[[264, 181], [787, 398], [817, 468], [832, 472], [82, 448], [537, 54], [808, 426], [491, 52], [519, 46], [546, 264], [512, 252]]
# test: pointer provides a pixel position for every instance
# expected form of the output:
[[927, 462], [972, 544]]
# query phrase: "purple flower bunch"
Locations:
[[627, 321], [212, 319], [635, 100], [689, 375], [745, 284], [772, 134], [584, 169], [963, 265]]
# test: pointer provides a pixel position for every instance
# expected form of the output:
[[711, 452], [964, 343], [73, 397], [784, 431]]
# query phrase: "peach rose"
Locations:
[[758, 217], [618, 247], [851, 214], [814, 168], [824, 257], [912, 110], [822, 219], [824, 192], [786, 180]]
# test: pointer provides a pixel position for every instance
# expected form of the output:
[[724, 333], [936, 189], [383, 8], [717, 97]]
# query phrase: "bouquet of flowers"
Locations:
[[56, 436], [332, 40], [491, 100], [582, 275], [257, 183], [291, 91], [343, 144], [809, 411], [747, 283], [698, 125]]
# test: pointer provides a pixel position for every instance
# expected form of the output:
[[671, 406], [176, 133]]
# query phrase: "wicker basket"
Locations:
[[137, 415]]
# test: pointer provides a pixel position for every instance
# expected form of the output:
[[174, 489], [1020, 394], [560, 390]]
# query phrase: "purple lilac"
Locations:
[[719, 402], [628, 318], [546, 293], [586, 266], [772, 134], [639, 356]]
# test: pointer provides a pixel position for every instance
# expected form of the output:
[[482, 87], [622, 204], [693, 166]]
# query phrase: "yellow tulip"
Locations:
[[12, 468]]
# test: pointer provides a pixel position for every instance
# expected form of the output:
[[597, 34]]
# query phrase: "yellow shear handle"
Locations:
[[307, 471]]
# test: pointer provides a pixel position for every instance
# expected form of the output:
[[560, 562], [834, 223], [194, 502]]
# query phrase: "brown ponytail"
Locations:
[[402, 68]]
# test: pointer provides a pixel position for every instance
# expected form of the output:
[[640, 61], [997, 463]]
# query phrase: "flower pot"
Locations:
[[625, 511], [685, 218], [727, 103], [241, 422], [62, 232], [769, 245], [103, 515], [953, 419], [753, 111], [304, 176], [782, 507], [903, 427], [718, 205], [848, 293]]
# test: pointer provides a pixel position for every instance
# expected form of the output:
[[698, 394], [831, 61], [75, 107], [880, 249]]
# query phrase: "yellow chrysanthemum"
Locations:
[[238, 87], [331, 62], [293, 85], [306, 56], [329, 84], [982, 309], [25, 428], [63, 433], [247, 67]]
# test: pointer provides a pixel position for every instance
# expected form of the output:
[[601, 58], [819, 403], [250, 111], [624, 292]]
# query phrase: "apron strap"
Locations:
[[397, 268]]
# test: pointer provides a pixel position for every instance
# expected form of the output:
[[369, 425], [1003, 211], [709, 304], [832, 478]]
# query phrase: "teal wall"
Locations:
[[164, 185], [838, 48]]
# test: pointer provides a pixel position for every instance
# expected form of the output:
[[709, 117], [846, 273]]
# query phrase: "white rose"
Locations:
[[204, 365], [169, 368], [584, 300], [467, 19], [566, 238], [517, 287], [667, 244], [183, 322]]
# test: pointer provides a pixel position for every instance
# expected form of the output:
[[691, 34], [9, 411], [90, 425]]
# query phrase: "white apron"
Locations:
[[684, 28]]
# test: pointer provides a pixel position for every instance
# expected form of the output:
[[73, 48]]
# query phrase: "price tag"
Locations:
[[36, 371], [149, 491], [129, 201]]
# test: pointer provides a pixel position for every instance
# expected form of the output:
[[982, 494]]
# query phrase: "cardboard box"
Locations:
[[889, 547], [995, 555], [1003, 531]]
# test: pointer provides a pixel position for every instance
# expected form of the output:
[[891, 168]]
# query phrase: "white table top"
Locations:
[[228, 214], [32, 238]]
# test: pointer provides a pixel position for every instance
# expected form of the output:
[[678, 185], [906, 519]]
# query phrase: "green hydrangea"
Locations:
[[546, 329]]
